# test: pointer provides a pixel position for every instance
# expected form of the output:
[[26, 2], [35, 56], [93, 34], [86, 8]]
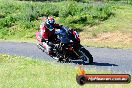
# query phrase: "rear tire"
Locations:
[[87, 55]]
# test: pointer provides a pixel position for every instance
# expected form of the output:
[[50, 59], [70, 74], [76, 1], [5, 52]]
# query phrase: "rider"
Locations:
[[47, 29], [47, 33]]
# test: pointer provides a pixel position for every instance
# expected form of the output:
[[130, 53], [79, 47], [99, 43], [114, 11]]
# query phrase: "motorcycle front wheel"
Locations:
[[85, 56]]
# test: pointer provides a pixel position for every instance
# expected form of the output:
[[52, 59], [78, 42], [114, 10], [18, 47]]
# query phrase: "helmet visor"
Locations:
[[51, 28]]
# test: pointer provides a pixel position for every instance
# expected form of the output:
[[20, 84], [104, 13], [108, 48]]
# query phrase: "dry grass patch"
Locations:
[[110, 39]]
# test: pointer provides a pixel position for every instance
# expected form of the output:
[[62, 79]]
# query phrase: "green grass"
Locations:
[[22, 19], [121, 24], [121, 21], [22, 72]]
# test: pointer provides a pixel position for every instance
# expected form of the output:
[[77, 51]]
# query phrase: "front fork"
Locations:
[[76, 53]]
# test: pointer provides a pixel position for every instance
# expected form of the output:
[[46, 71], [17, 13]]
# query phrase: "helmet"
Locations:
[[50, 22]]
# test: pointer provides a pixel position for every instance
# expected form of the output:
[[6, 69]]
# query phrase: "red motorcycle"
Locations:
[[67, 47]]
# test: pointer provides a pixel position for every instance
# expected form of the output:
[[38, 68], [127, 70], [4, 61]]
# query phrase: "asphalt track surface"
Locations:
[[114, 60]]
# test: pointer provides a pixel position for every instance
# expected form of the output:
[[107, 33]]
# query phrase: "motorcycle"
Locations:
[[67, 47]]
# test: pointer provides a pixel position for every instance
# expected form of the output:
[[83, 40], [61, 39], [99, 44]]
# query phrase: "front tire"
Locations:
[[87, 55]]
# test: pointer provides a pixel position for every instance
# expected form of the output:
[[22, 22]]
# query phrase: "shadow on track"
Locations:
[[103, 64], [95, 63]]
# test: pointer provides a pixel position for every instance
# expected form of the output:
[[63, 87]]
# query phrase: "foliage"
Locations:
[[26, 15]]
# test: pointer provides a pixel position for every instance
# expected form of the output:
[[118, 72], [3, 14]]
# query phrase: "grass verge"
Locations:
[[21, 72], [115, 32]]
